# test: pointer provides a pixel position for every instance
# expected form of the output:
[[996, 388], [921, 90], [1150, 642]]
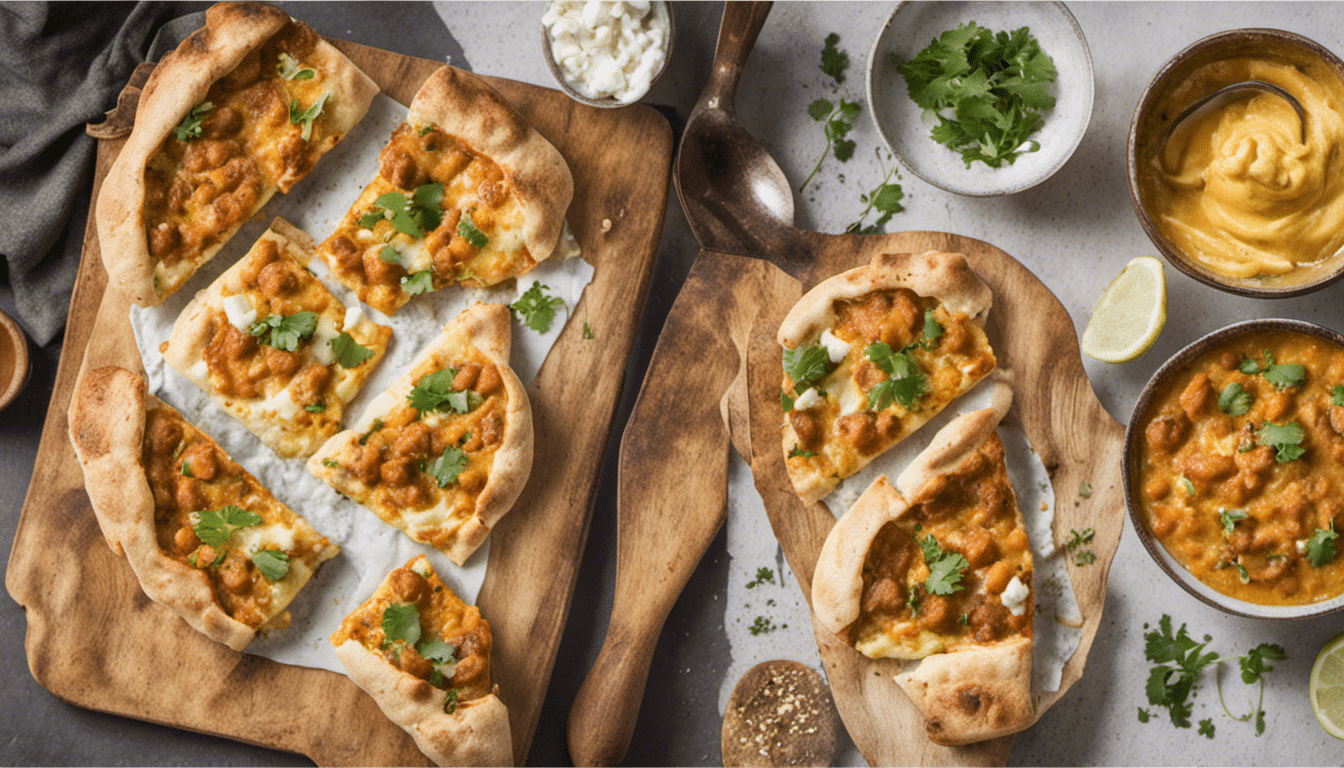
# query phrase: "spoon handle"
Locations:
[[671, 501], [741, 24]]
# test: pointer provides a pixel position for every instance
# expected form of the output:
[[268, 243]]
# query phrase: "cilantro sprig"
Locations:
[[836, 120], [945, 568], [536, 308], [273, 563], [448, 466], [985, 90], [834, 61], [1178, 663], [215, 528], [1234, 400], [466, 228], [284, 332], [1078, 539], [434, 392], [401, 627], [1321, 546], [806, 365], [885, 198], [417, 283], [190, 126]]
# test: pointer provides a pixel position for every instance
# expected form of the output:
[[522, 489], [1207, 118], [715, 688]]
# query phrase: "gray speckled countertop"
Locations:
[[1074, 231]]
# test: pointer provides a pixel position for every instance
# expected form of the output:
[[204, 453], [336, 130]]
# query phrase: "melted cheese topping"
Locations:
[[475, 188]]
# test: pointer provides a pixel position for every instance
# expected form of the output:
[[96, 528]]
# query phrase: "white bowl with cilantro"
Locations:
[[1000, 109]]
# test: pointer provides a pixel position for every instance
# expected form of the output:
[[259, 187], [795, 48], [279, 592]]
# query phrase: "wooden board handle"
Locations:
[[671, 501]]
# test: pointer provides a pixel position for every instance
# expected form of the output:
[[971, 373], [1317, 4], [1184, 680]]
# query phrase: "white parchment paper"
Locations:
[[369, 547]]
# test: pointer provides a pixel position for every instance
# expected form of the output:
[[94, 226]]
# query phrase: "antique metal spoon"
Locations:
[[1224, 96]]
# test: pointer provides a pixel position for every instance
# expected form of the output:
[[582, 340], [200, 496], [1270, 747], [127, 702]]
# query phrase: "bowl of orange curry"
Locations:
[[1234, 469]]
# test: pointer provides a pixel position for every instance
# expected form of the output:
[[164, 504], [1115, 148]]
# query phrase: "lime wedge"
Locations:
[[1129, 314], [1326, 688]]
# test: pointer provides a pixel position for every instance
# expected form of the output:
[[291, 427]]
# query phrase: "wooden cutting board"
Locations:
[[96, 641], [1076, 439]]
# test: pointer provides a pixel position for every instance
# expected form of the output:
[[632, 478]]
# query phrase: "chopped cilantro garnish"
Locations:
[[587, 331], [273, 563], [834, 61], [985, 90], [466, 228], [1286, 375], [190, 127], [1234, 401], [401, 622], [305, 117], [806, 365], [349, 353], [1085, 490], [377, 425], [1337, 395], [186, 469], [800, 453], [1229, 518], [413, 216], [536, 309], [907, 383], [1321, 546], [215, 528], [417, 283], [315, 407], [289, 69], [284, 332], [762, 626], [945, 568], [885, 198], [836, 122], [448, 466], [763, 576], [1286, 440]]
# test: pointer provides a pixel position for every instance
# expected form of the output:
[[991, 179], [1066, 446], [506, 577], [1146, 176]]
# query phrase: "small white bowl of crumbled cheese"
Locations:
[[604, 53]]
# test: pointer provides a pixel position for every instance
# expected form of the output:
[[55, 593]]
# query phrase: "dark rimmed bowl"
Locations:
[[14, 361], [660, 6], [1149, 127], [1130, 472]]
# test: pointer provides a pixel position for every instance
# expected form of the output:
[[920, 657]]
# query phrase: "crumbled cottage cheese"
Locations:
[[608, 49]]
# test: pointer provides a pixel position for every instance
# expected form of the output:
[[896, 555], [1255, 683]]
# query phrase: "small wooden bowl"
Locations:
[[1149, 127], [662, 7], [14, 362], [1131, 471]]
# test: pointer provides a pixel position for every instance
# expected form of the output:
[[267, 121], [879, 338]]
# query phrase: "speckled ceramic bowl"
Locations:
[[1149, 127], [1131, 471], [661, 7], [900, 121]]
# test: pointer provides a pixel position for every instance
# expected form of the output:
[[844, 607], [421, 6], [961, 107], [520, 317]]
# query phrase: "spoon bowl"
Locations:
[[1228, 94]]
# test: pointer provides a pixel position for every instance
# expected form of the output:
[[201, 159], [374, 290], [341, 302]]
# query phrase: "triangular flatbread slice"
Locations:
[[272, 345], [424, 656], [941, 570], [447, 449], [872, 354], [467, 192], [243, 108], [203, 537]]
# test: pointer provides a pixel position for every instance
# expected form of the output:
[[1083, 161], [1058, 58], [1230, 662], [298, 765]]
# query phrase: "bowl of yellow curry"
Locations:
[[1246, 196], [1234, 469]]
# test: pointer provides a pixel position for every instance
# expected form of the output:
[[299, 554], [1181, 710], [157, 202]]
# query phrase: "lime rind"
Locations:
[[1326, 687]]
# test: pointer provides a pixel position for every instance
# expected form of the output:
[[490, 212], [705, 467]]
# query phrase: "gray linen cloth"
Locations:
[[61, 66]]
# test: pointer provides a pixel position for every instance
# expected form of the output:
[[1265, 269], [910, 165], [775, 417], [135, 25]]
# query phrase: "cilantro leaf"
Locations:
[[289, 69], [349, 353], [800, 453], [785, 401], [1321, 546], [1253, 665], [1143, 715], [536, 309], [820, 109], [885, 198], [401, 621], [838, 122], [215, 527], [284, 332], [1206, 727], [1286, 375], [1337, 395], [305, 117], [467, 229], [315, 407], [417, 283], [587, 330], [1249, 366], [431, 392], [933, 330], [1234, 401], [1085, 491], [190, 126], [390, 255], [806, 365], [1286, 439], [436, 649], [448, 466], [450, 703], [984, 90], [273, 563], [412, 216], [834, 61]]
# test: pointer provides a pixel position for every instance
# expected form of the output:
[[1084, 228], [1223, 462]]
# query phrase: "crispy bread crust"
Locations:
[[180, 81], [465, 106], [193, 331], [975, 693], [487, 327], [477, 733], [107, 422], [943, 276], [837, 584], [955, 443]]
